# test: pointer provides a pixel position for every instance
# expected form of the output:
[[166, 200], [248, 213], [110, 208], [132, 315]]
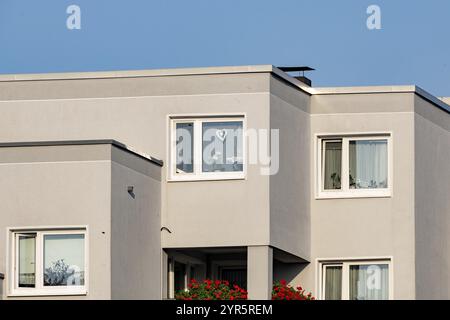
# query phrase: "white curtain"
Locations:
[[369, 282], [332, 165], [333, 283], [368, 164]]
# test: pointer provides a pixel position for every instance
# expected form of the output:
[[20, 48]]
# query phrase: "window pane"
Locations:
[[369, 282], [333, 283], [185, 147], [222, 146], [179, 276], [27, 261], [64, 260], [332, 165], [368, 164]]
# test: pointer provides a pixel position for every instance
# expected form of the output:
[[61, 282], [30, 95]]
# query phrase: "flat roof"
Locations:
[[137, 73], [82, 142], [384, 89], [229, 70]]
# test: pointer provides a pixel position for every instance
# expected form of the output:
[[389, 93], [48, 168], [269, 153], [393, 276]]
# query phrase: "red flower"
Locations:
[[221, 290], [283, 291]]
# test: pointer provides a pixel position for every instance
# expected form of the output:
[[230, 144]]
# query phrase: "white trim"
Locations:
[[53, 162], [114, 98], [322, 263], [258, 68], [171, 277], [39, 289], [345, 191], [197, 120]]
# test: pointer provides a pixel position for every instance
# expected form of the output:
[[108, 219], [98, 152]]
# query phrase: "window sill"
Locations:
[[353, 195], [43, 293], [207, 177]]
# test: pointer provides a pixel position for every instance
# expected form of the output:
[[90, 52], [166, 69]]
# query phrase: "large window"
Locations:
[[354, 166], [207, 148], [356, 280], [47, 262]]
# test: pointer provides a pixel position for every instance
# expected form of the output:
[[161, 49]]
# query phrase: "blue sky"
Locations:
[[412, 47]]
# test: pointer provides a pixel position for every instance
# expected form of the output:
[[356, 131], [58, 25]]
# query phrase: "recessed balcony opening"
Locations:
[[228, 264]]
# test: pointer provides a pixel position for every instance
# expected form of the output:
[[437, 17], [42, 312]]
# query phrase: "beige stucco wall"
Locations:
[[289, 187], [135, 112], [363, 228], [64, 186], [432, 202], [281, 210], [218, 213], [135, 228], [51, 186]]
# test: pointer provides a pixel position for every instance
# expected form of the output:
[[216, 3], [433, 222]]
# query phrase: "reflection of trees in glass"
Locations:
[[352, 182], [57, 274], [371, 184], [336, 180]]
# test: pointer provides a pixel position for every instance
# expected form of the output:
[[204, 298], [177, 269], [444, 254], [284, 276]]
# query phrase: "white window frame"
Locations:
[[346, 264], [323, 276], [40, 289], [197, 149], [346, 191]]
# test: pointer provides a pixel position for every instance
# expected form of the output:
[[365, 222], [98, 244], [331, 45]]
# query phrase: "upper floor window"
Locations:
[[356, 166], [48, 262], [207, 148]]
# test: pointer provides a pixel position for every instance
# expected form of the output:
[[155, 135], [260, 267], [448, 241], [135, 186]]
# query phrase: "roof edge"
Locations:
[[433, 99], [82, 142], [135, 73], [172, 72], [384, 89], [227, 70]]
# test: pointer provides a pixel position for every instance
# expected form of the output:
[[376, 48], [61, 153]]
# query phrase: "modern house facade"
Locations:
[[50, 190], [344, 191]]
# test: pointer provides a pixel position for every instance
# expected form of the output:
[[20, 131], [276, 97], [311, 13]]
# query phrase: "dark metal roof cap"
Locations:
[[296, 69]]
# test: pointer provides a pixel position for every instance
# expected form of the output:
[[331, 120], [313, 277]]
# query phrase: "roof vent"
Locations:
[[301, 73]]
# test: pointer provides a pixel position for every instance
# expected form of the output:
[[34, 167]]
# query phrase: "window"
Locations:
[[356, 280], [48, 262], [354, 166], [207, 148]]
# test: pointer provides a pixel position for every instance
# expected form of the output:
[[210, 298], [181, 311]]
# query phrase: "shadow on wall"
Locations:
[[2, 280], [287, 271]]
